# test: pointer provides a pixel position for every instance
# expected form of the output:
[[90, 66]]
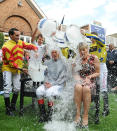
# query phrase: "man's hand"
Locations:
[[82, 32], [36, 55], [111, 62], [87, 81], [47, 85], [25, 70], [73, 65]]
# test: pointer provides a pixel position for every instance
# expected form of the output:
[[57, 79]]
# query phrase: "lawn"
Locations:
[[29, 122]]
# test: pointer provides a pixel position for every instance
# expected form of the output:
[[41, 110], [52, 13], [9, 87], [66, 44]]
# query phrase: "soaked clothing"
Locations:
[[56, 76], [88, 69], [41, 50], [56, 72]]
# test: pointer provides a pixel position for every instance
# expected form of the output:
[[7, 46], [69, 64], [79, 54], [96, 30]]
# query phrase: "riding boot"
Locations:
[[42, 109], [13, 101], [106, 105], [50, 110], [7, 104]]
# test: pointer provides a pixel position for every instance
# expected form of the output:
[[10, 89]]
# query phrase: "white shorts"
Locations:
[[48, 92], [8, 79], [103, 77]]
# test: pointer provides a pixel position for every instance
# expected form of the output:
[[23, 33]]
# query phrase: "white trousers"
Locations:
[[103, 77], [8, 79], [48, 92]]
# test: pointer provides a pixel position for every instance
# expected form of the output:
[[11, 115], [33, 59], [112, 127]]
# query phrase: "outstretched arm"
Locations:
[[34, 34]]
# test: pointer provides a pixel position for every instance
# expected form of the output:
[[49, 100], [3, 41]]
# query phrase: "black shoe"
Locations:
[[13, 108], [42, 116], [8, 109], [77, 124], [97, 121], [97, 118], [106, 113], [42, 119], [9, 113], [85, 127]]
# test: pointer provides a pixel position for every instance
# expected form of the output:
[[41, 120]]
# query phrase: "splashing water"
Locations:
[[64, 108], [64, 111], [60, 126]]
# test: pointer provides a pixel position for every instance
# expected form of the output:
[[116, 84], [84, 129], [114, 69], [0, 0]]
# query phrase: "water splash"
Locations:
[[64, 108]]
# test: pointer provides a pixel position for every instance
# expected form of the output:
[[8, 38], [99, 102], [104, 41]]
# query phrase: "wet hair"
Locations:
[[82, 45], [111, 44], [12, 31], [94, 33], [40, 35]]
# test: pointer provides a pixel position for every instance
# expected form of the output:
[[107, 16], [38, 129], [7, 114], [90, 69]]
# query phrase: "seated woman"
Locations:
[[85, 81]]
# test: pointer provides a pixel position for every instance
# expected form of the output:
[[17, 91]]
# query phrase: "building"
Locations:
[[21, 14], [112, 39]]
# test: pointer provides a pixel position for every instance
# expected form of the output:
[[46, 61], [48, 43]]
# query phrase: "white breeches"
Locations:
[[103, 77], [48, 92], [8, 79]]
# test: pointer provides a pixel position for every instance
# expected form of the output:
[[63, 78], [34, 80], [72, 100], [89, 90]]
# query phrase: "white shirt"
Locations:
[[41, 50]]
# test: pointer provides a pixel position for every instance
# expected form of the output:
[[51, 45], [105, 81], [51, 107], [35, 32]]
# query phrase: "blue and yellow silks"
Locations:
[[97, 48]]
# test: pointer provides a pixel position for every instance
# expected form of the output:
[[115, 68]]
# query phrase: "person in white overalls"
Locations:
[[41, 51], [55, 78]]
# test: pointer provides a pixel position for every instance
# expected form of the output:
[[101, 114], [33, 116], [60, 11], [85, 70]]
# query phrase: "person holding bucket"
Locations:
[[41, 50], [13, 51]]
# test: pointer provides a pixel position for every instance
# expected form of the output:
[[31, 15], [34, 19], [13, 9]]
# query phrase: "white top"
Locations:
[[41, 50], [0, 55]]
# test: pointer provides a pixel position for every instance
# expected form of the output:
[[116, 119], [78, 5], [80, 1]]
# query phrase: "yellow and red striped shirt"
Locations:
[[13, 55]]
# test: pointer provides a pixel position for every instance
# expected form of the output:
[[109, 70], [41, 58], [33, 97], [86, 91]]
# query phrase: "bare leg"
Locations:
[[86, 103], [78, 100]]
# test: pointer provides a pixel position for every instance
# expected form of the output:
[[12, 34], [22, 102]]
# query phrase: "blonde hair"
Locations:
[[82, 45]]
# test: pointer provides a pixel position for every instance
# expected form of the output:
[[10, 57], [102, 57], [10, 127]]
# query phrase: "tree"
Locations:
[[1, 39]]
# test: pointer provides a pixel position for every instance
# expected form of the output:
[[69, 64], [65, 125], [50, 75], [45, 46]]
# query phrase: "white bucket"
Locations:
[[36, 75], [59, 39], [36, 71], [73, 35], [47, 27]]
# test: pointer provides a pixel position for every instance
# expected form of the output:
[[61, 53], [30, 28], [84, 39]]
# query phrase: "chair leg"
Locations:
[[97, 105], [21, 99]]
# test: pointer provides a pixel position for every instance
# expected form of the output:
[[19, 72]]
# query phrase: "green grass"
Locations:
[[29, 122], [108, 123]]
